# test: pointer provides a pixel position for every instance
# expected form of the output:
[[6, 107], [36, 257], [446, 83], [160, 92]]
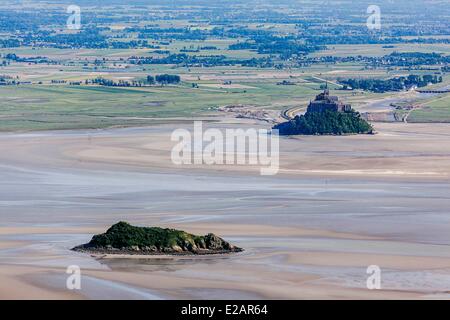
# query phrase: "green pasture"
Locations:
[[42, 107], [437, 110]]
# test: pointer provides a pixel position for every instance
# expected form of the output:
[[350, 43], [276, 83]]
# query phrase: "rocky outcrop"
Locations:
[[123, 238]]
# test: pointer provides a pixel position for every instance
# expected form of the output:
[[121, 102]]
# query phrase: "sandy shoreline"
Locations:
[[338, 205]]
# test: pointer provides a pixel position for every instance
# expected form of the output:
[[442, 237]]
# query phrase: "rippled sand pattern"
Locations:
[[338, 205]]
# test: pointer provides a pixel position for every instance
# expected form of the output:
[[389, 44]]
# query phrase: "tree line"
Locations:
[[394, 84], [161, 79]]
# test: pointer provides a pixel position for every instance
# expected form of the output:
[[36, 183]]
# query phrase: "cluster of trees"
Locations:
[[6, 80], [325, 123], [284, 47], [35, 60], [226, 30], [163, 79], [406, 59], [183, 59], [158, 33], [133, 44], [356, 33], [111, 83], [394, 84], [92, 38], [86, 38], [9, 43]]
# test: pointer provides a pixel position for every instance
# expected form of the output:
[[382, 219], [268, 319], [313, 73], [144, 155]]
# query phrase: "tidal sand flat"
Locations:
[[338, 205]]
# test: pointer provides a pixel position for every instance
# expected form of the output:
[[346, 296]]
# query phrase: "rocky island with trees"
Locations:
[[326, 115], [123, 238]]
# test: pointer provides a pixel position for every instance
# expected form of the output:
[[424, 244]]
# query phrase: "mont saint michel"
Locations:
[[326, 115]]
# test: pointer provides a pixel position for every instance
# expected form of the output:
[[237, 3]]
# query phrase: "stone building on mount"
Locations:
[[325, 102]]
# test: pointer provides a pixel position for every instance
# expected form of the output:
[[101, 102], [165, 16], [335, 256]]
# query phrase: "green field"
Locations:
[[438, 110], [46, 107], [64, 107]]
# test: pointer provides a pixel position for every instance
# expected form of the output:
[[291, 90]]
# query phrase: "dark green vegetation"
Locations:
[[161, 79], [123, 238], [325, 123], [166, 79], [394, 84], [400, 60], [183, 59]]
